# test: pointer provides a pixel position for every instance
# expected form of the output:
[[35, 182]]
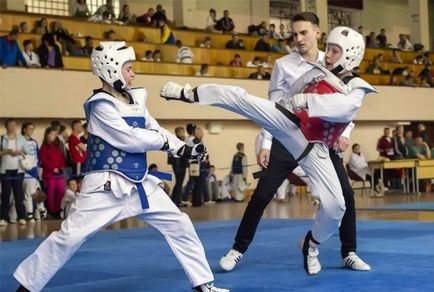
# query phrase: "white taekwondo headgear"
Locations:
[[352, 45], [107, 60]]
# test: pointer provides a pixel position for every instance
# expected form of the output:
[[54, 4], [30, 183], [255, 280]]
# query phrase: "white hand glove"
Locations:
[[172, 90], [299, 101]]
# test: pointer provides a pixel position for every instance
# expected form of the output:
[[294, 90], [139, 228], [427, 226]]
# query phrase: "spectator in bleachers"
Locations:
[[260, 74], [184, 54], [280, 47], [42, 26], [395, 58], [271, 30], [12, 148], [426, 73], [158, 16], [88, 46], [426, 59], [375, 68], [125, 15], [146, 19], [69, 198], [211, 21], [382, 39], [393, 80], [258, 30], [156, 56], [400, 151], [10, 53], [403, 71], [371, 40], [53, 164], [76, 148], [80, 9], [166, 35], [203, 70], [49, 53], [360, 30], [225, 24], [424, 82], [234, 43], [404, 43], [263, 44], [257, 61], [418, 60], [148, 56], [282, 33], [62, 35], [107, 9], [292, 45], [236, 61], [207, 43], [24, 27], [408, 81], [110, 35], [32, 59]]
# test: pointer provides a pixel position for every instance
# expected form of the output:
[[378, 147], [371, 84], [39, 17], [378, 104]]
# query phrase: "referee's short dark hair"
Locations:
[[306, 16]]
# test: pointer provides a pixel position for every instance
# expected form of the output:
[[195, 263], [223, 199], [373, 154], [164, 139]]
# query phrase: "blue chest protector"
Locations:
[[102, 156]]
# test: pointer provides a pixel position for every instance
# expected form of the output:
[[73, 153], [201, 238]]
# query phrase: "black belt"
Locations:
[[288, 114]]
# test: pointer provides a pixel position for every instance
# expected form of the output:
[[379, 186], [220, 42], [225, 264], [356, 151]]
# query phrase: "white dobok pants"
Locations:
[[95, 210], [316, 164]]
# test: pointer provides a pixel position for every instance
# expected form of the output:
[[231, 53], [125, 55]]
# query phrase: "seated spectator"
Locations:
[[260, 74], [420, 150], [360, 30], [49, 53], [418, 60], [125, 15], [382, 39], [266, 63], [260, 29], [203, 70], [207, 43], [234, 43], [271, 30], [359, 165], [61, 34], [404, 43], [282, 33], [236, 61], [395, 58], [257, 61], [167, 36], [225, 24], [211, 21], [292, 46], [408, 81], [184, 54], [426, 59], [110, 35], [280, 47], [69, 198], [393, 80], [263, 44], [156, 56], [158, 16], [32, 59], [42, 26], [80, 9], [10, 53], [323, 37], [148, 56], [107, 8], [403, 71], [426, 72], [424, 82], [371, 40], [146, 18], [88, 46], [375, 68], [24, 27]]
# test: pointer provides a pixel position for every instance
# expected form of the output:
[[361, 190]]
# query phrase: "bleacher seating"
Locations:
[[217, 57]]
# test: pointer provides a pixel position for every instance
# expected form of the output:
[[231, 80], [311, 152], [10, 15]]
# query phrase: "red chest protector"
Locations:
[[316, 129]]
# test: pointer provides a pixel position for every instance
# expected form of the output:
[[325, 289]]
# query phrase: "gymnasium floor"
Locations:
[[398, 242]]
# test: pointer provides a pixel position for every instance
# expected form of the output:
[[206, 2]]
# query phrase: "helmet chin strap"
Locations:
[[117, 85], [337, 70]]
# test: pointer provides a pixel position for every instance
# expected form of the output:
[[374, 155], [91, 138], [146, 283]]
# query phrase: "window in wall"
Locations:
[[55, 7], [95, 4]]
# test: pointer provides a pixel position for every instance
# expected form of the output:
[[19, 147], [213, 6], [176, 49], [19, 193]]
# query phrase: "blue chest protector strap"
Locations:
[[141, 189]]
